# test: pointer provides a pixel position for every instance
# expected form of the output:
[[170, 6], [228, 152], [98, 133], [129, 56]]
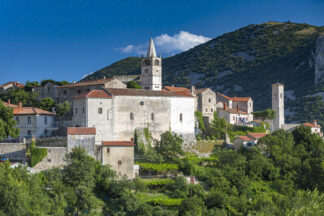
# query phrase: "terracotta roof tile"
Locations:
[[147, 93], [11, 105], [87, 83], [94, 94], [245, 138], [118, 143], [240, 99], [234, 111], [81, 131], [256, 135], [311, 125], [172, 88], [30, 111]]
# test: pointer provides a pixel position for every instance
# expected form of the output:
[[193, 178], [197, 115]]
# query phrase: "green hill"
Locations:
[[244, 62]]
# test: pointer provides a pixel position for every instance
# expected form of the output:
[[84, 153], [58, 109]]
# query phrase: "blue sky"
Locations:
[[64, 40]]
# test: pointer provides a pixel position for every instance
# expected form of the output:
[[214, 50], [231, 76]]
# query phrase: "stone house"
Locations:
[[11, 85], [48, 90], [116, 113], [233, 116], [315, 128], [244, 141], [120, 156], [117, 154], [33, 121]]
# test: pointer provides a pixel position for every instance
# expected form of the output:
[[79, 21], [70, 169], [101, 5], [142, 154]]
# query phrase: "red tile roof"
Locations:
[[94, 94], [81, 131], [17, 84], [172, 88], [118, 143], [225, 96], [87, 83], [245, 138], [311, 125], [11, 105], [147, 93], [256, 135], [30, 111], [234, 111], [240, 99]]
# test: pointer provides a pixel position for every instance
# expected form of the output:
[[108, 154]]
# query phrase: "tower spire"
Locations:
[[151, 49]]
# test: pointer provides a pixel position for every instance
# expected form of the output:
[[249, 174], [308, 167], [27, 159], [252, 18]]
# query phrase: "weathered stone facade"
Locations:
[[278, 101], [14, 151], [206, 99], [48, 90], [55, 158]]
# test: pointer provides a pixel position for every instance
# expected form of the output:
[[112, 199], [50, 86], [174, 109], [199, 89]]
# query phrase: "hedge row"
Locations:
[[158, 182], [166, 202], [158, 167]]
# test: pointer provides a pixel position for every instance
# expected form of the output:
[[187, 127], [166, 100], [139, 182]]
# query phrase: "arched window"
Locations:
[[142, 103], [131, 116], [157, 62], [209, 100], [152, 116], [29, 120], [181, 117]]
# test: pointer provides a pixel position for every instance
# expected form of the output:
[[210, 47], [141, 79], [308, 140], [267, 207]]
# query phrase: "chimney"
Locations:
[[20, 105], [193, 90], [104, 77], [172, 85], [225, 106], [8, 102], [315, 122], [132, 140], [74, 81], [237, 108]]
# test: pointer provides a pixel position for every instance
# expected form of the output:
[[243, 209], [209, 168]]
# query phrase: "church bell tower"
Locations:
[[151, 70]]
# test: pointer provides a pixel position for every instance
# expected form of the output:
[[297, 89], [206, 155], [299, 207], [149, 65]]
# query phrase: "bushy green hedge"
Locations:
[[37, 155], [158, 182], [158, 167], [166, 202]]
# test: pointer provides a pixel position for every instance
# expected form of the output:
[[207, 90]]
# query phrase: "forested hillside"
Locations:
[[244, 63]]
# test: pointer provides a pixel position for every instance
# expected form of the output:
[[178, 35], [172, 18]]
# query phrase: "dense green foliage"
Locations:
[[201, 124], [244, 62], [28, 99], [7, 123], [133, 84], [36, 154], [268, 114], [62, 108], [47, 104], [285, 179], [158, 167]]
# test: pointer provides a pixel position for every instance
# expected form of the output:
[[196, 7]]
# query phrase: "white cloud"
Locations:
[[167, 44]]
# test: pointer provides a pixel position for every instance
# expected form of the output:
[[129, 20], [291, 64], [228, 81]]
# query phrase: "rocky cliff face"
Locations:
[[319, 60]]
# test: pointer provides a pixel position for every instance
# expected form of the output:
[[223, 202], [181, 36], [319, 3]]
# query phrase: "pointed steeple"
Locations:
[[151, 49]]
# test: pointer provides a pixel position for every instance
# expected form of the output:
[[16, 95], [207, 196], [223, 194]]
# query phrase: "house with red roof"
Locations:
[[32, 121], [315, 128], [11, 85], [234, 116]]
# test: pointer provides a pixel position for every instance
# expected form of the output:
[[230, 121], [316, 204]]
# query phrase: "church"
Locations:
[[117, 112]]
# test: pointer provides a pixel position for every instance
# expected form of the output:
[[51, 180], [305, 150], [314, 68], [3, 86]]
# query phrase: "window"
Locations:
[[212, 110], [45, 120], [76, 110], [119, 162], [250, 104], [48, 89], [147, 87], [206, 110], [79, 91], [17, 120], [109, 114], [181, 117], [142, 103], [209, 100], [49, 160], [99, 110], [280, 95], [131, 116], [64, 92], [29, 133], [146, 70], [29, 120], [108, 150], [45, 133], [83, 110], [157, 62], [152, 116]]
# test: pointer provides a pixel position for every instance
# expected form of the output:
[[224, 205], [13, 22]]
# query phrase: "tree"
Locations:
[[265, 114], [7, 123], [29, 85], [170, 146], [20, 95], [47, 104], [62, 108], [219, 126], [201, 124], [133, 84], [192, 206]]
